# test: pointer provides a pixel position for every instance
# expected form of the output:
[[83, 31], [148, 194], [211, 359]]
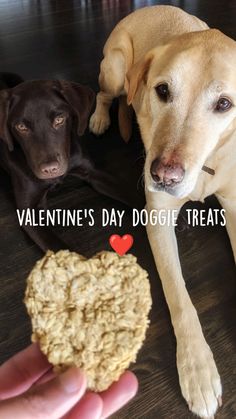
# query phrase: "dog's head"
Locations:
[[40, 115], [184, 96]]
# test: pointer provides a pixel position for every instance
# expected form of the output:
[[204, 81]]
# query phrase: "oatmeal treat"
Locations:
[[92, 313]]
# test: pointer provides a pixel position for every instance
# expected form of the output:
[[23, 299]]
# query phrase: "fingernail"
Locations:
[[72, 380]]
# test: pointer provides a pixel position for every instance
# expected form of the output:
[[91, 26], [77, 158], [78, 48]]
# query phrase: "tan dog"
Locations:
[[183, 92]]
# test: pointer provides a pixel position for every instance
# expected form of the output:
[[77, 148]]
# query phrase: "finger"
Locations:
[[21, 371], [46, 377], [51, 400], [119, 394], [90, 407]]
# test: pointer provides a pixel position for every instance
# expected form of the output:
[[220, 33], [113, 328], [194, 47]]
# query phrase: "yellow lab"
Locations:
[[180, 78]]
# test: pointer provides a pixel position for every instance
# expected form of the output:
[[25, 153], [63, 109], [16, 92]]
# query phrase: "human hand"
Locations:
[[30, 390]]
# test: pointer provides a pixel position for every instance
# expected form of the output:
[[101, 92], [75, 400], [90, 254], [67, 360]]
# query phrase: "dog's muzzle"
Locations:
[[166, 174], [51, 170]]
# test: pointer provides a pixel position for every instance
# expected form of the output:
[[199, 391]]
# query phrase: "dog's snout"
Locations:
[[50, 169], [166, 174]]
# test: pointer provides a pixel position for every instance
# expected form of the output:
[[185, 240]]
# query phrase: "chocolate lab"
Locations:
[[40, 122]]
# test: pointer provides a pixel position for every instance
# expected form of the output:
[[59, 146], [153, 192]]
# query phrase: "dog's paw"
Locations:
[[99, 122], [199, 379]]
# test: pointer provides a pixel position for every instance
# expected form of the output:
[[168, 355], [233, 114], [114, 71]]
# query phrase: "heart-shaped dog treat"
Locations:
[[92, 313]]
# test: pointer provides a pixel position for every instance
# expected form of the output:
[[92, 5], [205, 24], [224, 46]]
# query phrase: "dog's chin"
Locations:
[[180, 191]]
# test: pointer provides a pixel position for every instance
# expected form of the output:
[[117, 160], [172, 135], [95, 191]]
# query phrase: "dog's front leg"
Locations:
[[229, 204], [198, 375], [29, 195]]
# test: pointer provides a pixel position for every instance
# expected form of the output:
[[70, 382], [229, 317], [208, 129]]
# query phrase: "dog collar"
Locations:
[[208, 170]]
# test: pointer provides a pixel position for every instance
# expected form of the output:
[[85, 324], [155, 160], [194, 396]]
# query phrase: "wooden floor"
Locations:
[[64, 39]]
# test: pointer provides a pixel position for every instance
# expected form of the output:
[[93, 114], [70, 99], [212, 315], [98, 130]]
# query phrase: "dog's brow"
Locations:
[[217, 85]]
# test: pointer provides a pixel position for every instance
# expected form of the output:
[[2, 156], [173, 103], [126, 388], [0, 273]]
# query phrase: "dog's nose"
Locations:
[[50, 169], [166, 174]]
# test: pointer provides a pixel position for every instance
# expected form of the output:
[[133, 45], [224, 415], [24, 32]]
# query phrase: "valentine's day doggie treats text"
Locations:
[[92, 313]]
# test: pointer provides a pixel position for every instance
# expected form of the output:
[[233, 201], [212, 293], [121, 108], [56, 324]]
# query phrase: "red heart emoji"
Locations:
[[121, 245]]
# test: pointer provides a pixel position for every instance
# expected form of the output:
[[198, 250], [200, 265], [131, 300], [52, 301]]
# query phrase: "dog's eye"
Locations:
[[223, 104], [162, 91], [21, 127], [59, 120]]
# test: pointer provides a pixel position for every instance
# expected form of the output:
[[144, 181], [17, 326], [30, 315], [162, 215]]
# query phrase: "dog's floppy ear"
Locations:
[[80, 98], [4, 110], [136, 74]]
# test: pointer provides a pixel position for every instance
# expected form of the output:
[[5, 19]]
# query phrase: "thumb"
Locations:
[[51, 400]]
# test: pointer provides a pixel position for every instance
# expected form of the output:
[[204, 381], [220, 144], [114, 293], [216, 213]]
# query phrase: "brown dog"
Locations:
[[180, 78], [41, 123]]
